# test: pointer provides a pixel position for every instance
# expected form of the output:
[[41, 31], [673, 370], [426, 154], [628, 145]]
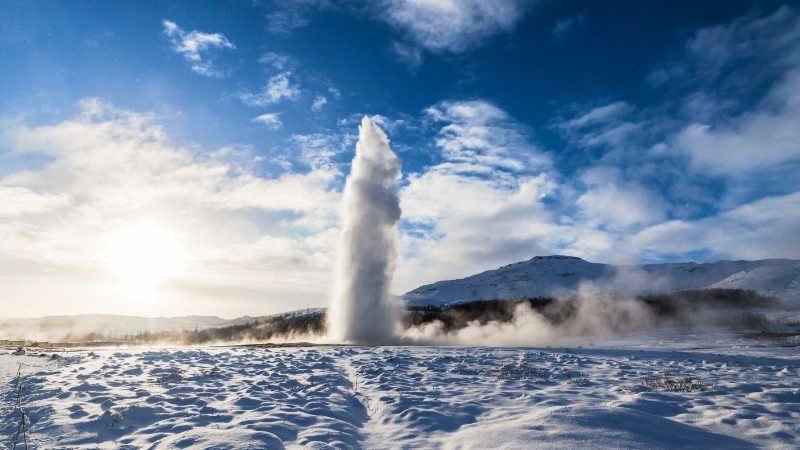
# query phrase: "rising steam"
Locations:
[[606, 309], [362, 310]]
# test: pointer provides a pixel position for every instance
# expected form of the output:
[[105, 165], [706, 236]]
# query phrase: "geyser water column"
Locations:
[[362, 310]]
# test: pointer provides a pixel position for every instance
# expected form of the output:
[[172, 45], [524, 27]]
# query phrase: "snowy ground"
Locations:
[[742, 394]]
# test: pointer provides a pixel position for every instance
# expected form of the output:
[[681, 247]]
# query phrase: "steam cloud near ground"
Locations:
[[592, 314], [598, 316], [605, 309], [599, 309]]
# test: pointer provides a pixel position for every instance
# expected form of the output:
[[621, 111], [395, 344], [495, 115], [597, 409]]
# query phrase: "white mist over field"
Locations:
[[362, 309], [593, 313]]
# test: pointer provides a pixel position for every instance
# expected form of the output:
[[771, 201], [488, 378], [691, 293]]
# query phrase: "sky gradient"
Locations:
[[171, 158]]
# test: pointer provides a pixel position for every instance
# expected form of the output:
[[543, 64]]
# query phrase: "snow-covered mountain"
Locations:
[[559, 275], [779, 281]]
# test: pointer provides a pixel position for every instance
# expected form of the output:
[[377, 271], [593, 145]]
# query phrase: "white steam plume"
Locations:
[[362, 310], [599, 309]]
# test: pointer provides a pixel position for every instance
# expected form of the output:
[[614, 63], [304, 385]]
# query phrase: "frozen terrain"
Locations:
[[546, 276], [779, 281], [633, 394]]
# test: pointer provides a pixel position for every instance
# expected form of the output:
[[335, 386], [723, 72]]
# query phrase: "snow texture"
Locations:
[[739, 395], [778, 281]]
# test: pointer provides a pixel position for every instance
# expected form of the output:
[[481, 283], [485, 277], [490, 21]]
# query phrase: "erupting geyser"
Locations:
[[362, 310]]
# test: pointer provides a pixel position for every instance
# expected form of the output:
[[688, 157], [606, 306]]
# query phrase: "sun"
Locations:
[[144, 254]]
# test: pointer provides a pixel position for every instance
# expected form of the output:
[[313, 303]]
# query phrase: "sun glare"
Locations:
[[144, 254]]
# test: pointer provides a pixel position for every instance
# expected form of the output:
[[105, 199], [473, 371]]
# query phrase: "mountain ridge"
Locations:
[[562, 275]]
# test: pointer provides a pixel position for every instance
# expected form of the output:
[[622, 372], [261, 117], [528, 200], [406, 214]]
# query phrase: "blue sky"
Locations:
[[619, 132]]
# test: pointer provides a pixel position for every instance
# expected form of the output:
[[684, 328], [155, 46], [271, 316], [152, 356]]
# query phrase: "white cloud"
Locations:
[[86, 150], [736, 56], [600, 115], [479, 133], [756, 139], [17, 201], [269, 240], [706, 147], [470, 212], [278, 87], [319, 102], [451, 25], [775, 36], [614, 203], [606, 125], [493, 198], [764, 228], [461, 224], [194, 46], [725, 136], [483, 204], [719, 133], [272, 120], [490, 197], [391, 125], [319, 150]]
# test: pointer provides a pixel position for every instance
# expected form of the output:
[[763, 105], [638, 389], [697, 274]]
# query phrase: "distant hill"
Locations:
[[777, 281], [557, 275], [51, 327], [113, 327]]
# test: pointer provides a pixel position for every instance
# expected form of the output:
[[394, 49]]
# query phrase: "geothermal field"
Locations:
[[399, 224], [595, 368]]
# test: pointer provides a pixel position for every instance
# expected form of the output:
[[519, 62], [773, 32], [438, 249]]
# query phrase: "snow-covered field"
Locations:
[[742, 394]]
